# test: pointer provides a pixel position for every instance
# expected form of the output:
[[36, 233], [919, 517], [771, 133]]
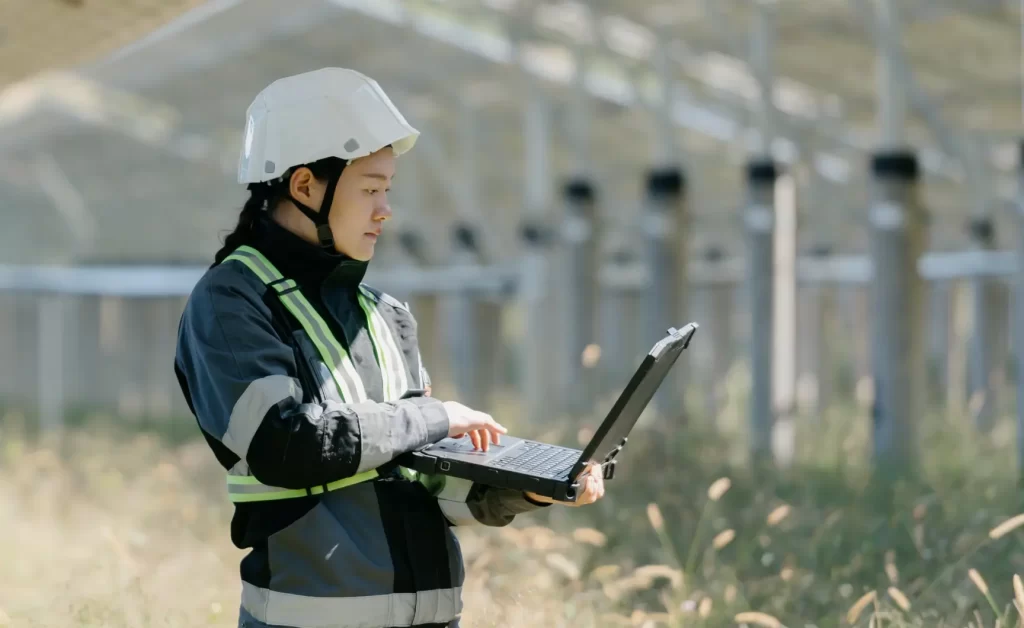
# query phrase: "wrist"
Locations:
[[527, 496]]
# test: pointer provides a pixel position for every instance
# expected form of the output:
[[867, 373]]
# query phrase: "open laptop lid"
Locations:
[[635, 396]]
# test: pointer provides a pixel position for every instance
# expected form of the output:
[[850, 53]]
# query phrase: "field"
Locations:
[[131, 530]]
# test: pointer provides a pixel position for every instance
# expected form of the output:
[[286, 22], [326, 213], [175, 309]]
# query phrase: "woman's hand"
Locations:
[[592, 482], [481, 427]]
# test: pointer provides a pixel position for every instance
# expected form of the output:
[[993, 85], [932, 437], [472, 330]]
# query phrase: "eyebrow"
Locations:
[[374, 175]]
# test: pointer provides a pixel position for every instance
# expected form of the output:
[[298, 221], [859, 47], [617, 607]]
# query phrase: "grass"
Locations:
[[113, 529]]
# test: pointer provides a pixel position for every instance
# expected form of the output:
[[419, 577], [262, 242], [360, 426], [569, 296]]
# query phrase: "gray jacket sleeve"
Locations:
[[245, 390], [469, 503]]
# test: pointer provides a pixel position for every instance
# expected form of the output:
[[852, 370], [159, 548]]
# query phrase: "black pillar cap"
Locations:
[[465, 236], [668, 181], [762, 171], [981, 228], [411, 241], [896, 164], [579, 189], [622, 256], [713, 253], [535, 233], [821, 250]]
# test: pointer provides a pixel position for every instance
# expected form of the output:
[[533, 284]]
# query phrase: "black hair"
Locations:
[[264, 197]]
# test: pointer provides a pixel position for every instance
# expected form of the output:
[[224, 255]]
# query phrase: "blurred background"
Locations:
[[829, 188]]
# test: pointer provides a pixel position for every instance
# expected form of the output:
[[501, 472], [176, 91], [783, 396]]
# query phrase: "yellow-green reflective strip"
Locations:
[[265, 492], [379, 349], [242, 479], [386, 345], [253, 266], [314, 325], [332, 353]]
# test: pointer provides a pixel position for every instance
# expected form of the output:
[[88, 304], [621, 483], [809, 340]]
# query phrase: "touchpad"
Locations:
[[462, 448]]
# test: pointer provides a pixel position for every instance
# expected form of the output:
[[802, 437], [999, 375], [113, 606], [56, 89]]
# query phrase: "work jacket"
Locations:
[[295, 371]]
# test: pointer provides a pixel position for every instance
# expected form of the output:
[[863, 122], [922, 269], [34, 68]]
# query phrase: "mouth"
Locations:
[[373, 235]]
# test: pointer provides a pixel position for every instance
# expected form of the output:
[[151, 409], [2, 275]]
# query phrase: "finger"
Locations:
[[495, 426], [475, 437], [485, 440], [592, 491]]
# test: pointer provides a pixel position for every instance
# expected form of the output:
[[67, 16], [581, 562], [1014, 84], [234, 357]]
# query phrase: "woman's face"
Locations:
[[360, 204]]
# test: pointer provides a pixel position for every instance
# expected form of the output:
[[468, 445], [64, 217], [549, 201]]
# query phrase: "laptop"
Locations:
[[551, 470]]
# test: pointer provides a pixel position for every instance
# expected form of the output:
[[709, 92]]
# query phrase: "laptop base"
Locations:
[[456, 458]]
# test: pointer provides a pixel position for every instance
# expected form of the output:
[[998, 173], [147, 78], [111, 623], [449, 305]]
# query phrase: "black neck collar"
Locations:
[[307, 263]]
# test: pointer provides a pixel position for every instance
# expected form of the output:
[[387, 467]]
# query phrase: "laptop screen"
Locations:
[[635, 397]]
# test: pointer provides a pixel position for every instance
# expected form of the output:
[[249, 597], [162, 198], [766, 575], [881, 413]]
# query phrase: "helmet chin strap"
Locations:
[[322, 218]]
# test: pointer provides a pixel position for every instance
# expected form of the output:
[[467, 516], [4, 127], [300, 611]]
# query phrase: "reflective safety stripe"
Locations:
[[452, 500], [392, 368], [438, 606], [332, 353], [246, 488]]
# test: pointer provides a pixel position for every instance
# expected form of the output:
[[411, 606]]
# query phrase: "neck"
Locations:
[[291, 219]]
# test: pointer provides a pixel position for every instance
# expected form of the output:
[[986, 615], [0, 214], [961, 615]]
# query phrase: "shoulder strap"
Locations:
[[331, 351]]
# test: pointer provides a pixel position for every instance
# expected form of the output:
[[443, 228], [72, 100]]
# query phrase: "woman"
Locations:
[[307, 384]]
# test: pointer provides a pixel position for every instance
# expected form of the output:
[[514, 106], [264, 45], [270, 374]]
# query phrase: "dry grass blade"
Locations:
[[723, 538], [704, 608], [1018, 590], [649, 573], [590, 536], [654, 516], [604, 573], [979, 582], [1006, 527], [900, 599], [892, 573], [776, 516], [718, 488], [563, 565], [730, 594], [858, 607], [758, 619]]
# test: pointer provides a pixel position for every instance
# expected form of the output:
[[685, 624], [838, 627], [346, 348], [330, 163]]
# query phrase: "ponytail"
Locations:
[[258, 201], [264, 197]]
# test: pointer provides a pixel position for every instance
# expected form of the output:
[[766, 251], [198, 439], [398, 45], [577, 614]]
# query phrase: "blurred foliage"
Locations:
[[119, 527]]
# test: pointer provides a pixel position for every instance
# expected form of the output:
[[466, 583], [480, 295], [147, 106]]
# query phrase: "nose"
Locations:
[[383, 211]]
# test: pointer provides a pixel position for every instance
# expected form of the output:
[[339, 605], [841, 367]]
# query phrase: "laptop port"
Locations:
[[445, 465]]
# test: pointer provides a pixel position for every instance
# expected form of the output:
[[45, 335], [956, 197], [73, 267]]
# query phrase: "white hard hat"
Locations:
[[332, 112]]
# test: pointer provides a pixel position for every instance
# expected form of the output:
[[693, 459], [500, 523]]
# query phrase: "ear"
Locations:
[[305, 188]]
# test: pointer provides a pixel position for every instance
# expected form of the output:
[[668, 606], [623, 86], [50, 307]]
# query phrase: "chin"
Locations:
[[362, 254]]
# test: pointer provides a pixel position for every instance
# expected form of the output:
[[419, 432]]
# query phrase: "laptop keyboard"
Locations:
[[539, 459]]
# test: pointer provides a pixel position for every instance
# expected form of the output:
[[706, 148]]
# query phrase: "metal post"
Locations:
[[618, 296], [470, 334], [719, 323], [579, 283], [940, 319], [816, 372], [897, 291], [665, 225], [50, 367], [983, 333], [424, 308], [1018, 314], [535, 296], [759, 219], [784, 345]]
